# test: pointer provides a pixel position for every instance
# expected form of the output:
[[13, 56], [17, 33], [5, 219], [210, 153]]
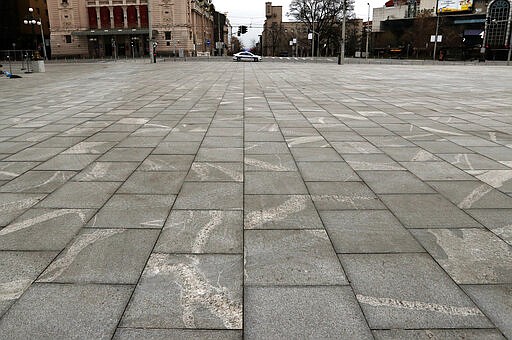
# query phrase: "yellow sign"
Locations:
[[449, 6]]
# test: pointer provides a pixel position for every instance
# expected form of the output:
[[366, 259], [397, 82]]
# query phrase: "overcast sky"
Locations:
[[252, 13]]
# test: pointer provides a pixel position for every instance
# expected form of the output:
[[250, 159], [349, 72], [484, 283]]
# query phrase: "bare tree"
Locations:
[[322, 16], [275, 33]]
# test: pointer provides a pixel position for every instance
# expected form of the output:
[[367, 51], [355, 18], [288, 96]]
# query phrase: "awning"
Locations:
[[113, 31]]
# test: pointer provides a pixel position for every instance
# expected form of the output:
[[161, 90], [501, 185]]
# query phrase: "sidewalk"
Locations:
[[257, 200]]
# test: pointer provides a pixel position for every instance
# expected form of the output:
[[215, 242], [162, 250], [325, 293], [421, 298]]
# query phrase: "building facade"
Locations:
[[120, 28]]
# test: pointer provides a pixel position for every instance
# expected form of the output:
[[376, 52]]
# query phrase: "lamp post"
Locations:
[[32, 20], [343, 33], [367, 31]]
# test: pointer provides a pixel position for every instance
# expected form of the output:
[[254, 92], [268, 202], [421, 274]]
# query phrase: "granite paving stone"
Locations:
[[327, 171], [202, 231], [102, 256], [133, 211], [18, 269], [43, 229], [323, 312], [106, 171], [66, 311], [343, 195], [38, 181], [399, 291], [290, 257], [188, 291], [425, 334], [80, 195], [499, 221], [427, 211], [280, 212], [496, 302], [267, 200], [161, 182], [469, 256], [210, 195], [367, 231], [13, 204], [261, 183], [394, 182]]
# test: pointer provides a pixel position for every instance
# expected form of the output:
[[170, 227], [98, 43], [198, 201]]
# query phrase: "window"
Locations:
[[68, 39], [497, 24], [64, 2], [168, 35]]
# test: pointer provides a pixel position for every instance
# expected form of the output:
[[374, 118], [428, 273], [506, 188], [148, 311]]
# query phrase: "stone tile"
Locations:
[[496, 302], [327, 171], [315, 155], [274, 183], [38, 181], [277, 162], [133, 154], [343, 195], [471, 161], [216, 172], [167, 163], [436, 171], [188, 291], [202, 231], [163, 183], [499, 179], [497, 153], [329, 312], [133, 211], [277, 257], [80, 195], [17, 272], [427, 211], [10, 170], [66, 311], [371, 162], [427, 334], [88, 147], [313, 141], [210, 195], [176, 148], [222, 142], [265, 148], [469, 256], [43, 229], [106, 171], [398, 291], [367, 231], [102, 256], [35, 154], [67, 162], [183, 334], [280, 212], [499, 221], [219, 155], [13, 205], [355, 147], [445, 146], [472, 194], [139, 142], [394, 182], [409, 154]]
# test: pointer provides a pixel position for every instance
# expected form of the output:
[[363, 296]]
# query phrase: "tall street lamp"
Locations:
[[32, 20], [367, 30]]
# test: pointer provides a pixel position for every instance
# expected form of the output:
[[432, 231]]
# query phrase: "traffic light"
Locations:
[[239, 30], [243, 29]]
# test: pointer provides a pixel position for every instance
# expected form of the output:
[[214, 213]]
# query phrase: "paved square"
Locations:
[[273, 200]]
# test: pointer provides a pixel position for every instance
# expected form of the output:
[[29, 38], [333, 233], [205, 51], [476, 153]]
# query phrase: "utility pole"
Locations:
[[313, 30], [150, 27], [367, 31], [343, 33]]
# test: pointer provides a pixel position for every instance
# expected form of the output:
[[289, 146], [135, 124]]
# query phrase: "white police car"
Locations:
[[246, 56]]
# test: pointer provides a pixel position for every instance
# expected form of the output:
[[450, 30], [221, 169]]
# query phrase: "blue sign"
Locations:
[[208, 42]]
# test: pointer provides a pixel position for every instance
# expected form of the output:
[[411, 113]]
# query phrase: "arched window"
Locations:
[[105, 17], [118, 17], [497, 21]]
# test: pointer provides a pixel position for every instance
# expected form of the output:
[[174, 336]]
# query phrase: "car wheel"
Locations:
[[238, 59], [255, 59]]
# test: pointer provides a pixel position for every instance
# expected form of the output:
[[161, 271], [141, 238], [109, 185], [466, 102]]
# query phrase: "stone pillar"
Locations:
[[111, 9], [125, 16]]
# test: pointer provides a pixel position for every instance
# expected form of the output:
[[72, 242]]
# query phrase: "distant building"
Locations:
[[104, 28], [281, 38]]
